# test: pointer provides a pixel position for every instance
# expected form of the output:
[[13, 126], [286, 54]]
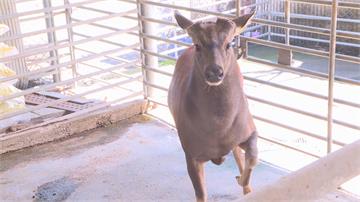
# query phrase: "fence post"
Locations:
[[285, 56], [70, 33], [269, 6], [240, 43], [8, 7], [332, 61], [147, 45], [51, 36]]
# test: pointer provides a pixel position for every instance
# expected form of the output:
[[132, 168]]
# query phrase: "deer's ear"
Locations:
[[182, 21], [242, 21]]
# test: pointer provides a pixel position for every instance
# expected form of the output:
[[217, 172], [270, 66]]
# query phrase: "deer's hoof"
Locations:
[[246, 190], [239, 180]]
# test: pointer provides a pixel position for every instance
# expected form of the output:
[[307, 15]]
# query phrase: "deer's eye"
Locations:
[[228, 46], [197, 47]]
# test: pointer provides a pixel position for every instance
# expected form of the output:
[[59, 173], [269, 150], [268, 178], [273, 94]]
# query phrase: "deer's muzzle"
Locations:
[[214, 75]]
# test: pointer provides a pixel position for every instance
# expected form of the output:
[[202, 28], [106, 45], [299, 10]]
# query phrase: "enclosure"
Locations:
[[79, 65]]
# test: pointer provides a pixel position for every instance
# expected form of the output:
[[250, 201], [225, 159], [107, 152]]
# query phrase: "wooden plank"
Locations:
[[57, 95], [68, 106], [46, 113]]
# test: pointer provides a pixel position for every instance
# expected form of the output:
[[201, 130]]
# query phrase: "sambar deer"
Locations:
[[207, 101]]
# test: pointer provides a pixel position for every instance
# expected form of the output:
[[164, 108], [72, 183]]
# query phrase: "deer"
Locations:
[[207, 101]]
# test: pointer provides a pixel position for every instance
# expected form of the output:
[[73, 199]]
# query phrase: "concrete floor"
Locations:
[[139, 159]]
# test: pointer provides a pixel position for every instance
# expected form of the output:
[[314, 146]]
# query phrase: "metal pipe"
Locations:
[[275, 85], [302, 49], [51, 36], [289, 147], [238, 47], [306, 133], [285, 56], [155, 3], [302, 112], [70, 33], [287, 20], [269, 16], [318, 40], [165, 40], [310, 73], [316, 30], [158, 55], [332, 61], [158, 71], [41, 16], [50, 47], [141, 40], [149, 44], [342, 4], [65, 64], [53, 8], [313, 17], [50, 86], [83, 22]]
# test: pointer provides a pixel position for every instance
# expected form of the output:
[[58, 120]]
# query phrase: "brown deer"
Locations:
[[207, 101]]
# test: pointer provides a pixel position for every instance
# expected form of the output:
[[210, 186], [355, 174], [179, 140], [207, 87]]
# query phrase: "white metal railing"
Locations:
[[151, 70], [76, 50]]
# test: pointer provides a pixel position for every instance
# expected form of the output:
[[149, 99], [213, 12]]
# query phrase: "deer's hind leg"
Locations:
[[251, 159]]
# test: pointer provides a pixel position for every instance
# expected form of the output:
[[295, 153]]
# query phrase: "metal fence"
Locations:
[[110, 51], [264, 23], [67, 55]]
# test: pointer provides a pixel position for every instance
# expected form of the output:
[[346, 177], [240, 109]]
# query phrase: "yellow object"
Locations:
[[6, 88], [13, 104], [6, 71], [6, 50]]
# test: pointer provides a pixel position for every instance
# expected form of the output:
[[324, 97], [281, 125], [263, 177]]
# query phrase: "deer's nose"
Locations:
[[214, 73]]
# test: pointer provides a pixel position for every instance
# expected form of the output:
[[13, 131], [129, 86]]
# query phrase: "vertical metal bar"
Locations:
[[269, 4], [176, 53], [141, 40], [8, 7], [332, 53], [285, 56], [52, 38], [237, 38], [287, 20], [148, 45], [68, 12], [238, 6]]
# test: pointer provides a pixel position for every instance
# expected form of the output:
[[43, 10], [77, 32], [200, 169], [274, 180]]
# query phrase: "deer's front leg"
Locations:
[[251, 159], [196, 173], [239, 161]]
